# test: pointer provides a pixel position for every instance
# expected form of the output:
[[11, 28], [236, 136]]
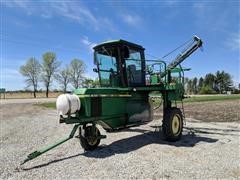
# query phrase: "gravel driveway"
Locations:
[[206, 150]]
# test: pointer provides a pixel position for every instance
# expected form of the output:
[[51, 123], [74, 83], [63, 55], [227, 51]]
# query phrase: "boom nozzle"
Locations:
[[196, 38]]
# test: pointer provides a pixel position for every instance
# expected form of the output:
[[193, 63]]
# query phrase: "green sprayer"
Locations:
[[128, 83]]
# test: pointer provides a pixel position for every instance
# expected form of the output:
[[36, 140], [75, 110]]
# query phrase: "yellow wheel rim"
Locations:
[[92, 140], [176, 125]]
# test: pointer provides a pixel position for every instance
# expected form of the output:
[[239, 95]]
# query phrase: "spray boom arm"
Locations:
[[195, 44]]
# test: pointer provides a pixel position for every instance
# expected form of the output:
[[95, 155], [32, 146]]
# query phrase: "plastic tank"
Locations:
[[67, 104]]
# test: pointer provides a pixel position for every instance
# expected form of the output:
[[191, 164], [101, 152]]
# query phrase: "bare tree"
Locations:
[[31, 70], [77, 69], [63, 77], [49, 68]]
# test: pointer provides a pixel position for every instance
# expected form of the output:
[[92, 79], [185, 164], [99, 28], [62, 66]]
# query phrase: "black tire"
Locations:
[[88, 139], [172, 124]]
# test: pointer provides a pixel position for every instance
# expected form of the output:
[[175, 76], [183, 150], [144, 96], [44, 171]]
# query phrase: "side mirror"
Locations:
[[95, 70]]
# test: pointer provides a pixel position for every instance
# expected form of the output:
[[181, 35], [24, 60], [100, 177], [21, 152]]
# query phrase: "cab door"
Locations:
[[135, 68]]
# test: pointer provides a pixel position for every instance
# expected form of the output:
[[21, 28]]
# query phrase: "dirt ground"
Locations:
[[209, 147], [213, 111], [23, 95]]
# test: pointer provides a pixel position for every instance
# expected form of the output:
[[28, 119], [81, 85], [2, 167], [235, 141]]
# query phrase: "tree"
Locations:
[[223, 81], [218, 81], [63, 77], [186, 83], [88, 83], [189, 87], [210, 80], [49, 68], [194, 85], [96, 83], [31, 70], [206, 89], [200, 84], [227, 81], [77, 69]]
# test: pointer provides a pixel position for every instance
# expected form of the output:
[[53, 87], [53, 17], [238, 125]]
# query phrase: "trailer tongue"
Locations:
[[128, 83]]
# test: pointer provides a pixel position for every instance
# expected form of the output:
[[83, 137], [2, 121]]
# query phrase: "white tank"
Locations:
[[67, 103]]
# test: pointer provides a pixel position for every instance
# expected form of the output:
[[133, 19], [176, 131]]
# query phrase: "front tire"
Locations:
[[89, 138], [172, 124]]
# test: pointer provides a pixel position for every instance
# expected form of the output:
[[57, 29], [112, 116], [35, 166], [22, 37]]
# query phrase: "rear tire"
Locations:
[[88, 139], [172, 124]]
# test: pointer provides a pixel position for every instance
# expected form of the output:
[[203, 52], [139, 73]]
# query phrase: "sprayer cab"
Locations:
[[120, 64]]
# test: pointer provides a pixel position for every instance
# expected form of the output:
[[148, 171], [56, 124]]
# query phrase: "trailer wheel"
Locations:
[[172, 124], [88, 139]]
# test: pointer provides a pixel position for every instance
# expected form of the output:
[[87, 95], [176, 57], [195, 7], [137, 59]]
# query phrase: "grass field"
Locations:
[[202, 98], [48, 105]]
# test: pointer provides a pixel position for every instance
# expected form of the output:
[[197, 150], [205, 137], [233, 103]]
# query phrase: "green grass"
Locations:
[[51, 105], [193, 99], [205, 98], [212, 98]]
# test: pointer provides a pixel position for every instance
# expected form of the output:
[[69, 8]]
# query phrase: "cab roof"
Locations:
[[117, 42]]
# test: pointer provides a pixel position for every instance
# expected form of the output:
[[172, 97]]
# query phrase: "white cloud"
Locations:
[[25, 5], [88, 43], [74, 10], [131, 19], [233, 42]]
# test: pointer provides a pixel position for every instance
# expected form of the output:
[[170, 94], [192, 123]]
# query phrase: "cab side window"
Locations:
[[134, 68]]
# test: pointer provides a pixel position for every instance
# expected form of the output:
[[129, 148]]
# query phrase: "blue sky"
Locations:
[[72, 28]]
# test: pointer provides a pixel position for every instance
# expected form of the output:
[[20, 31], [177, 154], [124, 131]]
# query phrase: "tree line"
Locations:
[[49, 70], [217, 83]]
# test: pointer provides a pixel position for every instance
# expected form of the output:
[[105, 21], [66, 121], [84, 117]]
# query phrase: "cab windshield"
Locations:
[[106, 59]]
